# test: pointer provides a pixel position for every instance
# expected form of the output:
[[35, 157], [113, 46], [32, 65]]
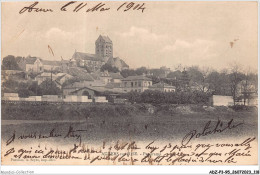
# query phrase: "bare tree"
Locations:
[[235, 78], [205, 73], [247, 86]]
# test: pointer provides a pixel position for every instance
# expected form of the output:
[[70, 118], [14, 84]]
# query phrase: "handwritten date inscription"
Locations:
[[74, 6]]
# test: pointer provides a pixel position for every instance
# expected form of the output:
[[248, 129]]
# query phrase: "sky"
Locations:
[[165, 34]]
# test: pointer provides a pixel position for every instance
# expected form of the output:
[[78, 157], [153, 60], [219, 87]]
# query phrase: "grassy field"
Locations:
[[135, 122]]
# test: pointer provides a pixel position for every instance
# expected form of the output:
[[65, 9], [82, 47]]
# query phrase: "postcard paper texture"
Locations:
[[129, 83]]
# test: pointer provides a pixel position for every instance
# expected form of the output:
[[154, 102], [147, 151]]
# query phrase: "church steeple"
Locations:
[[104, 47]]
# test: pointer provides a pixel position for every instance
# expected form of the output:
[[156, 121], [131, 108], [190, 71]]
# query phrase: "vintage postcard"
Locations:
[[129, 83]]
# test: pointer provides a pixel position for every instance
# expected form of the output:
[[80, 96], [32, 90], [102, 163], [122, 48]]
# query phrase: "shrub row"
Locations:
[[158, 97]]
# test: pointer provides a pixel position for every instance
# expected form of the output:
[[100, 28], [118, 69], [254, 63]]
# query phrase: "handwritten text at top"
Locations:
[[74, 6]]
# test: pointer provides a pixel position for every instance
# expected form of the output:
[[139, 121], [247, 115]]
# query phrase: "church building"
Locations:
[[103, 54], [104, 47]]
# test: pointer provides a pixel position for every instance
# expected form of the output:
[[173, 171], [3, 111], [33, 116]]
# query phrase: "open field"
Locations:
[[134, 122]]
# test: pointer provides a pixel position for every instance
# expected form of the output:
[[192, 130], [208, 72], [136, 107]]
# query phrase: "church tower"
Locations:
[[104, 47]]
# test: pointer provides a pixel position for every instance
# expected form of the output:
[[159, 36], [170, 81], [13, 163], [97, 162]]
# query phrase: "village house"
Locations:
[[163, 87], [58, 78], [136, 83], [30, 64], [78, 85], [116, 77], [116, 81], [49, 65], [62, 77], [108, 77], [16, 75], [88, 90], [64, 64], [105, 77], [44, 76], [36, 64]]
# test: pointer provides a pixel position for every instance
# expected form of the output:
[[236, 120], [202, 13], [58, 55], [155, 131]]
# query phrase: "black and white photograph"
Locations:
[[129, 83]]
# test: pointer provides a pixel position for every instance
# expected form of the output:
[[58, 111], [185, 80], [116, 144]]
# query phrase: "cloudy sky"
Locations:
[[165, 34]]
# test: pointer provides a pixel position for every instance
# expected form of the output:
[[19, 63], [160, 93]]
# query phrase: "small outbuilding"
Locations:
[[220, 100]]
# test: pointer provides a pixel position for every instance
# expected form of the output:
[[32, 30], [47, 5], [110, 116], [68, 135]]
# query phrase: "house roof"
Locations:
[[86, 56], [104, 38], [30, 60], [161, 85], [138, 77], [123, 63], [46, 74], [19, 59], [51, 63], [99, 89], [65, 61], [116, 75], [95, 76], [117, 62], [82, 74], [61, 75], [74, 85], [113, 85], [104, 74]]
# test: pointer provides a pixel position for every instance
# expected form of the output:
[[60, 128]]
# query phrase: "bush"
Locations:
[[242, 108], [159, 97]]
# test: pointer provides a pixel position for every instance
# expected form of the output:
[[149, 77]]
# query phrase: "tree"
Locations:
[[9, 63], [198, 78], [24, 89], [132, 96], [71, 81], [215, 82], [175, 75], [141, 71], [10, 84], [109, 68], [235, 77], [32, 75], [184, 82], [34, 87], [248, 86], [155, 79], [225, 83], [49, 87], [158, 72], [128, 72], [24, 93], [151, 96], [205, 72]]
